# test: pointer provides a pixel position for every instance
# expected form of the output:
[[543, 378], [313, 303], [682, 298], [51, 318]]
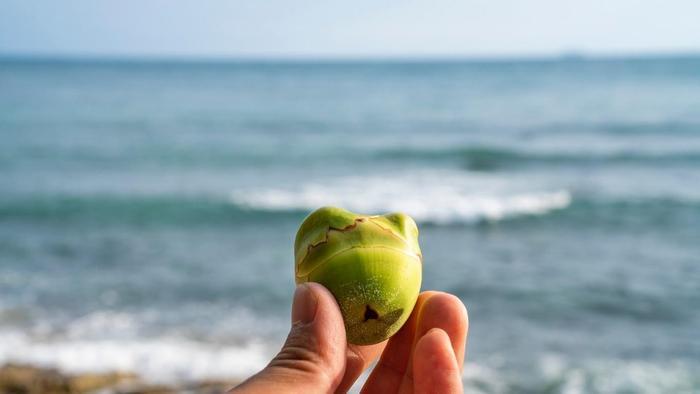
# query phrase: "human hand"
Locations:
[[425, 356]]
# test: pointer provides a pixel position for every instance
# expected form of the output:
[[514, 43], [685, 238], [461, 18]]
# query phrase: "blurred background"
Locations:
[[157, 157]]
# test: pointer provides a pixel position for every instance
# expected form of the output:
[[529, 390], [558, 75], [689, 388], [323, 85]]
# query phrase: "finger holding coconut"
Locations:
[[371, 264]]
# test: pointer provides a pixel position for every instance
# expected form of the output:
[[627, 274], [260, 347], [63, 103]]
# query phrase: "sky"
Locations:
[[358, 28]]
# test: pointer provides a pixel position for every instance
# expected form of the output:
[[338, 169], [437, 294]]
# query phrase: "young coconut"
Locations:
[[371, 264]]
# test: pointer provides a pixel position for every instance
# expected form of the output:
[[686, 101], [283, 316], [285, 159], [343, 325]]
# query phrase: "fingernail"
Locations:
[[304, 306]]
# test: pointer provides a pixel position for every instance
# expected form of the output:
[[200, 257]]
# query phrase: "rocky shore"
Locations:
[[26, 379]]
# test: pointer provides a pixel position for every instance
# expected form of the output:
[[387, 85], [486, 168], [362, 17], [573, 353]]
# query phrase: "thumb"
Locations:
[[312, 359]]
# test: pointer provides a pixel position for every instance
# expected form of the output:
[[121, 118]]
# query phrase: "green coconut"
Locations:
[[371, 264]]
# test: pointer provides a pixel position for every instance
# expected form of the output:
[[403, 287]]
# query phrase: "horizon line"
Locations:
[[360, 58]]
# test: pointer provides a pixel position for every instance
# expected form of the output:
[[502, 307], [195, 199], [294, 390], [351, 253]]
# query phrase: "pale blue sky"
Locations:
[[331, 28]]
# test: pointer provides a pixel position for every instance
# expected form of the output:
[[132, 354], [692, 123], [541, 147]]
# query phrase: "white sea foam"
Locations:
[[109, 340], [156, 359], [614, 376], [438, 197], [170, 359]]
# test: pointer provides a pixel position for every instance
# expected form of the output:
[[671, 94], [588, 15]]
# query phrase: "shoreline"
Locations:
[[34, 379]]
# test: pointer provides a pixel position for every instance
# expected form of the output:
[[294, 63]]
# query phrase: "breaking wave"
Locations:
[[171, 360], [430, 196], [156, 359]]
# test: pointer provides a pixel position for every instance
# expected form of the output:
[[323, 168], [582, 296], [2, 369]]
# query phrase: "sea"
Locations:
[[148, 209]]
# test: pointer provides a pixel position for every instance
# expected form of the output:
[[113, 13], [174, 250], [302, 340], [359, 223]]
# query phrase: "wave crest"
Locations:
[[440, 202]]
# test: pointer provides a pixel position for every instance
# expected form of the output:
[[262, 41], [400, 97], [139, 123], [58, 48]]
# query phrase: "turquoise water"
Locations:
[[147, 210]]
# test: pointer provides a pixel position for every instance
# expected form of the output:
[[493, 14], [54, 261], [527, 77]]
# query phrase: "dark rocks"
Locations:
[[25, 379]]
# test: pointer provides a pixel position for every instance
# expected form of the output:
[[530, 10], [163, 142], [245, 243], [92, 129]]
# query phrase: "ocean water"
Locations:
[[148, 209]]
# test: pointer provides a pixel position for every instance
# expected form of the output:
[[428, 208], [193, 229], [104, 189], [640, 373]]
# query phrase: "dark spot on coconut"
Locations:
[[370, 314]]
